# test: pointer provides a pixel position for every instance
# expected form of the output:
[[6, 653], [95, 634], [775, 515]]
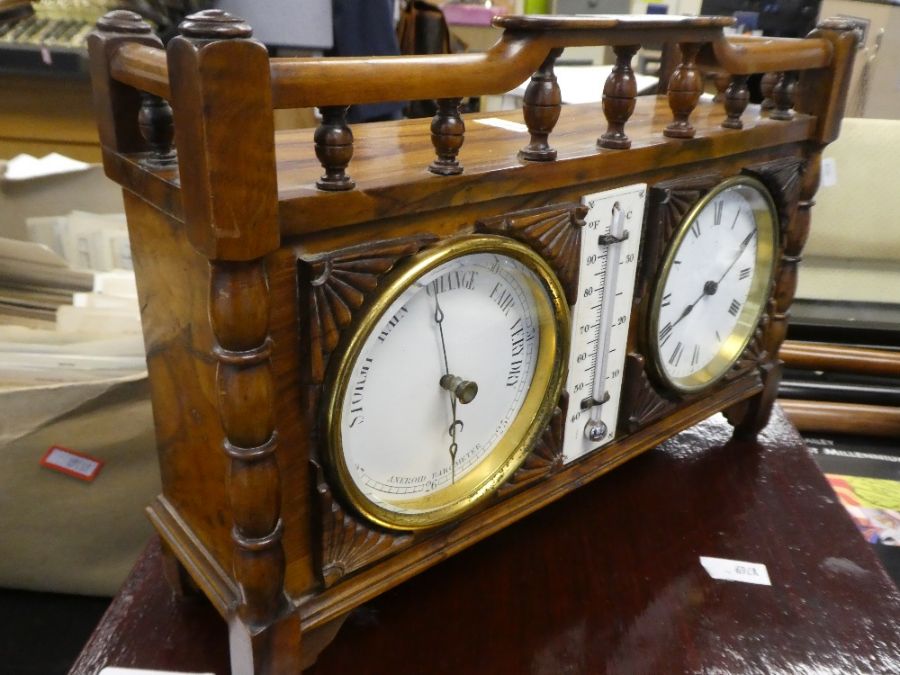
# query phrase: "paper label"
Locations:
[[503, 124], [71, 463], [736, 570], [828, 177]]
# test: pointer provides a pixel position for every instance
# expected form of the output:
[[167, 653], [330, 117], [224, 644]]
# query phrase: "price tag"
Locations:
[[71, 463], [736, 570]]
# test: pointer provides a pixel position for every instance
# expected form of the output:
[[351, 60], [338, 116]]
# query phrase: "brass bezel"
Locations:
[[766, 217], [540, 401]]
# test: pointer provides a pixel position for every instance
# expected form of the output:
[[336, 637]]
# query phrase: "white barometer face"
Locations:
[[714, 284], [446, 383]]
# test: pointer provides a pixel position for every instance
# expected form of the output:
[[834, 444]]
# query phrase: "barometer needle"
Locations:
[[439, 320]]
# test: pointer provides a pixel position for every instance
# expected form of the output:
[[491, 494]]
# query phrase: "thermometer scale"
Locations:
[[607, 268]]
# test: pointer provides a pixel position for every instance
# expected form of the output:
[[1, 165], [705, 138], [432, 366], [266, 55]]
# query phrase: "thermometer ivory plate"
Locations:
[[601, 316], [447, 381]]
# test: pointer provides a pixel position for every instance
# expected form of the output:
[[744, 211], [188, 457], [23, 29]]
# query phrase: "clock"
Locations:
[[713, 286], [371, 348], [450, 376]]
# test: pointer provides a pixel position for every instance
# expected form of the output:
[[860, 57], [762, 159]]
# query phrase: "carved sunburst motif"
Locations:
[[546, 457], [669, 203], [334, 287], [554, 232], [782, 178], [348, 544], [641, 402]]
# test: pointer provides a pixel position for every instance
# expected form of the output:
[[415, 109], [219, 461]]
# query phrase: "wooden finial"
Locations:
[[124, 21], [215, 24], [783, 95], [685, 88], [541, 107], [737, 96], [155, 124], [447, 135], [619, 94], [334, 148], [766, 85]]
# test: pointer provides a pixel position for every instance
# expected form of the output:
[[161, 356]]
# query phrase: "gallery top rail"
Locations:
[[140, 61]]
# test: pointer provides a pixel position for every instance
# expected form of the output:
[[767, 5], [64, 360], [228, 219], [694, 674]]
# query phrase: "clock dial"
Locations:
[[444, 388], [714, 284]]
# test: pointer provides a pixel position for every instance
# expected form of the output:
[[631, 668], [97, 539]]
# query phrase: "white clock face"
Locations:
[[442, 381], [714, 285]]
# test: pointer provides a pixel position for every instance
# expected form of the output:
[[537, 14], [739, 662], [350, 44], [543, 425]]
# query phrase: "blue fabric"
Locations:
[[366, 28]]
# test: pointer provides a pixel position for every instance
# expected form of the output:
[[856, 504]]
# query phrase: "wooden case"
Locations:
[[254, 251]]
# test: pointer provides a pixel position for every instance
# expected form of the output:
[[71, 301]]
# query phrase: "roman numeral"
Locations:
[[695, 357], [736, 216], [695, 228], [744, 273], [676, 355], [665, 333], [734, 308], [718, 207], [666, 300]]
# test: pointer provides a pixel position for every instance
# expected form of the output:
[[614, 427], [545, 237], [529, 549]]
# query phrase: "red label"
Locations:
[[75, 464]]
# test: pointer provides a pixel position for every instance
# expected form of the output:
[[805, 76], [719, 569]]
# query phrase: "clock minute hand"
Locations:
[[740, 252], [710, 287]]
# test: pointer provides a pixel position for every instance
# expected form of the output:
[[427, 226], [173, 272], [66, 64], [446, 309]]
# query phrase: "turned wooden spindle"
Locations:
[[155, 124], [334, 148], [737, 96], [721, 80], [541, 107], [447, 136], [120, 114], [685, 88], [766, 85], [236, 227], [783, 96], [619, 94]]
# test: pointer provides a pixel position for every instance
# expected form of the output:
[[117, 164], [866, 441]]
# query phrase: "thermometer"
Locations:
[[601, 316]]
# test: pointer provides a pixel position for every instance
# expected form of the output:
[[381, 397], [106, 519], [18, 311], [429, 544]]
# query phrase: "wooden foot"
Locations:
[[750, 417], [270, 650]]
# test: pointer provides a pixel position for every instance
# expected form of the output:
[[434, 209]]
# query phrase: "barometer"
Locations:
[[446, 382]]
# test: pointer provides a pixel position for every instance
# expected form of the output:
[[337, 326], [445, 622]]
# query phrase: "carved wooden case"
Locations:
[[256, 252]]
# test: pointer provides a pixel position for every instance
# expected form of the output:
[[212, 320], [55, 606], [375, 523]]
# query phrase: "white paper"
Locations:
[[828, 177], [736, 570], [503, 124], [25, 167]]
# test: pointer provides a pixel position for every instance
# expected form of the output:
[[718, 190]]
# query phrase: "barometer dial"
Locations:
[[447, 381], [714, 285]]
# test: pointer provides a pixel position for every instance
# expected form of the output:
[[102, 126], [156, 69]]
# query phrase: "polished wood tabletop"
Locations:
[[606, 580]]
